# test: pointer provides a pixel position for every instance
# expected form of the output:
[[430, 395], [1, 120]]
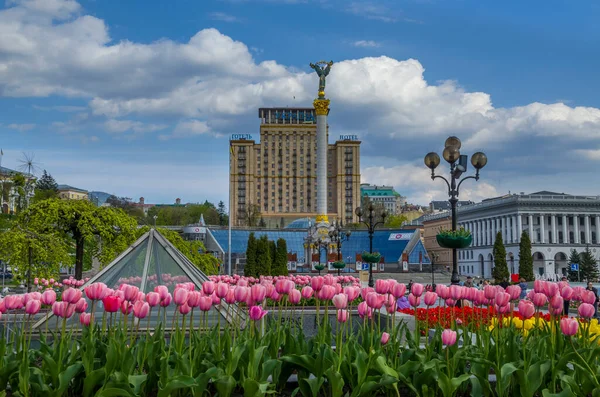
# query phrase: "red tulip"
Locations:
[[111, 303]]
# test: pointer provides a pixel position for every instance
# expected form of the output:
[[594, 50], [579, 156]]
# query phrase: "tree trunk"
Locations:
[[79, 243]]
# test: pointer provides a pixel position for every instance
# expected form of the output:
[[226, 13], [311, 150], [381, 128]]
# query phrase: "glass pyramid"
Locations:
[[151, 261]]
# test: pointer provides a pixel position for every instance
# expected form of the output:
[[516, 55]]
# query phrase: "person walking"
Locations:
[[523, 286], [591, 287]]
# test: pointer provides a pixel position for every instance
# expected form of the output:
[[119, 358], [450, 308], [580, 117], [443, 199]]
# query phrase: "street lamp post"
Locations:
[[371, 223], [433, 257], [337, 236], [458, 166]]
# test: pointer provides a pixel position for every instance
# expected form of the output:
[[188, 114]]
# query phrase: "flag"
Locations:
[[1, 152], [231, 151]]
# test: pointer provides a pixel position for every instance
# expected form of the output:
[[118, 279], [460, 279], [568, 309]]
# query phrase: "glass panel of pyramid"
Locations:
[[151, 261]]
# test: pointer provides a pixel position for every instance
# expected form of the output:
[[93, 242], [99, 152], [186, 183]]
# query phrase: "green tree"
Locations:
[[45, 188], [574, 258], [223, 217], [588, 265], [272, 253], [32, 253], [525, 257], [250, 267], [251, 215], [395, 221], [107, 230], [262, 222], [500, 271], [280, 261], [263, 257]]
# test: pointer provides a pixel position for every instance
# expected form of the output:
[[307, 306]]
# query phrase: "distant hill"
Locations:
[[100, 196]]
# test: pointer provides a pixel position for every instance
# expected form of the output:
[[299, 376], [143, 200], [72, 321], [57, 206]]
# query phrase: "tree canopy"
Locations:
[[106, 230], [500, 271], [574, 258], [181, 215], [45, 188], [588, 266], [525, 258]]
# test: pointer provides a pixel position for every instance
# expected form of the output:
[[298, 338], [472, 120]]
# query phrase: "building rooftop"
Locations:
[[74, 189], [443, 205]]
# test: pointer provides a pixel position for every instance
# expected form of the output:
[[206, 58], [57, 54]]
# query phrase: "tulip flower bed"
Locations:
[[113, 351]]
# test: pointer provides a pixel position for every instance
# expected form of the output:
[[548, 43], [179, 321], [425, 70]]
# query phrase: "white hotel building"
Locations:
[[556, 223]]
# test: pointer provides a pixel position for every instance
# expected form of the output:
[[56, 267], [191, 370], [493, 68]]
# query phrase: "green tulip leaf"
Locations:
[[225, 385], [336, 382]]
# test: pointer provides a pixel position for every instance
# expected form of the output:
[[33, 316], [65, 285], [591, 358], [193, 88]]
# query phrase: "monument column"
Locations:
[[565, 224]]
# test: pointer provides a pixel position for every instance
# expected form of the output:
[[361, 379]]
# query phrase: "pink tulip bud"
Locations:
[[81, 306], [588, 296], [230, 297], [398, 290], [194, 299], [514, 291], [489, 291], [294, 296], [450, 302], [557, 302], [180, 296], [317, 283], [550, 289], [342, 316], [566, 292], [385, 337], [71, 295], [307, 292], [456, 292], [413, 300], [430, 298], [85, 319], [417, 289], [208, 287], [33, 307], [141, 309], [539, 299], [256, 313], [162, 291], [586, 310], [502, 298], [448, 337], [184, 309], [153, 298], [569, 326], [526, 309], [364, 310], [205, 303], [166, 301], [382, 286], [258, 293], [222, 290], [340, 301]]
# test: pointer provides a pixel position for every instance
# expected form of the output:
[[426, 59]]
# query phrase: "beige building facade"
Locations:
[[66, 192], [431, 227], [277, 176]]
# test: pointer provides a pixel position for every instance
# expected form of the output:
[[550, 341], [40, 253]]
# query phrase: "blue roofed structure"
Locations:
[[390, 243]]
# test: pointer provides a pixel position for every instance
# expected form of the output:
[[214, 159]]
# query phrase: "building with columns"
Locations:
[[556, 223]]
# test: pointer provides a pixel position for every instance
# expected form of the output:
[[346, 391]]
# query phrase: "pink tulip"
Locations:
[[241, 293], [557, 302], [577, 293], [526, 309], [222, 290], [317, 283], [85, 319], [550, 289], [162, 290], [538, 286], [480, 298], [71, 295], [141, 309], [329, 279], [326, 293], [448, 337], [502, 298], [153, 298], [256, 313], [382, 286], [586, 310], [130, 292], [81, 305], [399, 290], [503, 309], [489, 291], [63, 309], [366, 291], [569, 326], [230, 297], [364, 310], [258, 293], [205, 303], [294, 296], [443, 291], [180, 296], [33, 307], [184, 309], [126, 307], [556, 312], [566, 292], [48, 297], [208, 287], [430, 298], [514, 291], [194, 299], [450, 302], [342, 316], [340, 301], [456, 292], [352, 293], [96, 291], [413, 300], [215, 299], [417, 289], [385, 337], [307, 292], [166, 301], [588, 296], [539, 299]]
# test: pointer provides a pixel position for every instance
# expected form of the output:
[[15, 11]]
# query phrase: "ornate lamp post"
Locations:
[[433, 257], [371, 223], [337, 236], [458, 166]]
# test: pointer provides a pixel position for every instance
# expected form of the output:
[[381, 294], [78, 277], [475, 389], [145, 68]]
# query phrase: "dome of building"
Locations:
[[302, 223]]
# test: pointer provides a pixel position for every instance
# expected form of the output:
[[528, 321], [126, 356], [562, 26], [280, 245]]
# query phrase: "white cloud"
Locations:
[[590, 154], [188, 128], [21, 127], [366, 43], [121, 126], [221, 16]]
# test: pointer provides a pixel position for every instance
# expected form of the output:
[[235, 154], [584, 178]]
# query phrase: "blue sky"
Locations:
[[137, 98]]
